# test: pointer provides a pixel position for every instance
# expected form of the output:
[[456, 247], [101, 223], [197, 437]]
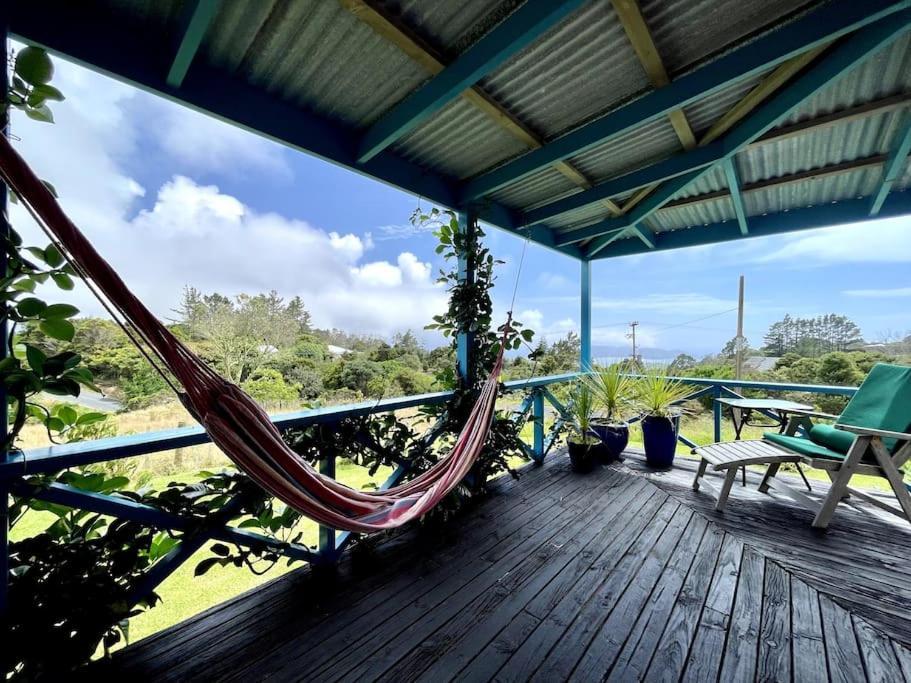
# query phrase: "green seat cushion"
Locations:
[[802, 446], [883, 401], [834, 439]]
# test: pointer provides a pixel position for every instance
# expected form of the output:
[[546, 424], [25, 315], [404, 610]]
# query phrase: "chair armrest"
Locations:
[[882, 433]]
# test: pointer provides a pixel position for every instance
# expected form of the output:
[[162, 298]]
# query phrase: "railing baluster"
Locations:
[[716, 412], [327, 534], [538, 415]]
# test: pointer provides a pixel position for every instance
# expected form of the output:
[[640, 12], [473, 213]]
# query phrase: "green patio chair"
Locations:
[[871, 436]]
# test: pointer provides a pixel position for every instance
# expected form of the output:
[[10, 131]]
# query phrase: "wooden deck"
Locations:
[[622, 574]]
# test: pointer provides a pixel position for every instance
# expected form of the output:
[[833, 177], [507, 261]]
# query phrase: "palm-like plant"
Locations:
[[581, 410], [658, 395], [611, 388]]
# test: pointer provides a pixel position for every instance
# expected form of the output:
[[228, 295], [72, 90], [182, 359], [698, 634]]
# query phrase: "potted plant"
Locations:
[[612, 390], [581, 441], [658, 396]]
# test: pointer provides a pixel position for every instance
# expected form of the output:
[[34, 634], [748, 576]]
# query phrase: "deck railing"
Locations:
[[536, 394]]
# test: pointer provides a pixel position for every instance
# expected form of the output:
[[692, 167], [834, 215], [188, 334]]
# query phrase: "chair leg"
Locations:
[[729, 478], [893, 475], [770, 472], [840, 483], [833, 475], [703, 463]]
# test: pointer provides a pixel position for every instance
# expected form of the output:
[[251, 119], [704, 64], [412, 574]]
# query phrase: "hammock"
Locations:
[[233, 420]]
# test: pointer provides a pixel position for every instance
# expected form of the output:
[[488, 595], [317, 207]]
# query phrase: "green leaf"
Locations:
[[53, 257], [49, 92], [62, 280], [91, 418], [34, 66], [58, 328], [30, 307], [59, 311], [35, 357], [24, 285], [68, 415], [42, 113]]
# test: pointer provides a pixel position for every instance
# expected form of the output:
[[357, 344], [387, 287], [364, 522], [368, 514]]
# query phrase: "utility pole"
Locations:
[[632, 335], [739, 340]]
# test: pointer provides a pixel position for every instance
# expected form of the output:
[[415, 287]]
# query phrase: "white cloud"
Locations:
[[550, 281], [880, 241], [879, 293]]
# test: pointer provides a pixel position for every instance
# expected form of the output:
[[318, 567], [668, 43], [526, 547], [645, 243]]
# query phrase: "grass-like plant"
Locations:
[[658, 395], [581, 410], [613, 390]]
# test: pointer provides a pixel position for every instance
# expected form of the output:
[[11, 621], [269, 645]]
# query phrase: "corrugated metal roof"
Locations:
[[704, 213], [578, 71], [440, 143], [314, 53], [704, 113], [649, 143], [580, 217], [687, 32], [546, 185], [813, 192]]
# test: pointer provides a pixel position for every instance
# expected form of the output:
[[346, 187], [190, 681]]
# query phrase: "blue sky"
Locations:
[[172, 197]]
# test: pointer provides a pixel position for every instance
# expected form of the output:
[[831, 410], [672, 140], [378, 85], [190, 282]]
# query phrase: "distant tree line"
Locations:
[[812, 337]]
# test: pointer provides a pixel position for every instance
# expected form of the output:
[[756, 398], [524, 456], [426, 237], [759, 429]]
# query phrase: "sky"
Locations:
[[172, 197]]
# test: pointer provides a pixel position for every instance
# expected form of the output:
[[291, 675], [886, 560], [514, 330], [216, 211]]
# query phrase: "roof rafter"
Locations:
[[198, 16], [432, 60], [734, 185], [834, 19], [601, 242], [895, 164], [842, 58], [640, 37], [512, 35], [649, 239]]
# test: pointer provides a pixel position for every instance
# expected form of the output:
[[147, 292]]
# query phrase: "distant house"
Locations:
[[760, 363], [337, 351]]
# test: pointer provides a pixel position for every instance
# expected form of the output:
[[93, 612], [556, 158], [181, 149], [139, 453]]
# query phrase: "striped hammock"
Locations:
[[233, 420]]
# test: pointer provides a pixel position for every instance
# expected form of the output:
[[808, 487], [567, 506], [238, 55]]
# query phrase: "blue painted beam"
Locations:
[[648, 238], [600, 243], [585, 315], [894, 166], [198, 16], [464, 342], [823, 216], [671, 167], [515, 33], [833, 20], [734, 185]]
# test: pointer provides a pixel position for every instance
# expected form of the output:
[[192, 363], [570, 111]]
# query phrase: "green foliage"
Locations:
[[612, 388], [812, 336], [658, 395], [28, 370], [581, 411], [269, 387]]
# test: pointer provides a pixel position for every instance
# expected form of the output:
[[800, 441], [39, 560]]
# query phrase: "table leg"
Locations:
[[804, 477]]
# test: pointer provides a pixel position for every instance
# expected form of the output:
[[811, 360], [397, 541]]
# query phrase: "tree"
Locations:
[[812, 337], [839, 368], [269, 387], [681, 364], [730, 348]]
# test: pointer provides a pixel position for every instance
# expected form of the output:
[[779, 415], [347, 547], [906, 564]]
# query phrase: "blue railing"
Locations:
[[536, 395]]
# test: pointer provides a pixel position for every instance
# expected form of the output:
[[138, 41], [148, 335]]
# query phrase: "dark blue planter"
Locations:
[[614, 438], [660, 437]]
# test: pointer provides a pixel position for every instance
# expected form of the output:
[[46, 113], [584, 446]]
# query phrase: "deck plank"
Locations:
[[624, 574]]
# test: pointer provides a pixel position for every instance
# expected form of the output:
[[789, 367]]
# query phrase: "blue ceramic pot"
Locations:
[[660, 437], [614, 438]]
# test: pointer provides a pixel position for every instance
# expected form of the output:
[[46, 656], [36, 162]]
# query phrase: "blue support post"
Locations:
[[585, 316], [895, 164], [466, 274], [538, 415], [326, 534], [716, 414]]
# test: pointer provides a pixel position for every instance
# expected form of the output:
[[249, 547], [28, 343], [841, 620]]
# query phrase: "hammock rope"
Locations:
[[233, 420]]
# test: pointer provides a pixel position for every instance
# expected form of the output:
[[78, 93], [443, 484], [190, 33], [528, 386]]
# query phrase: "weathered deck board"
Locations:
[[622, 574]]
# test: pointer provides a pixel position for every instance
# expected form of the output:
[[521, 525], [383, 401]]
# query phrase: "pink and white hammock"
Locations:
[[233, 420]]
